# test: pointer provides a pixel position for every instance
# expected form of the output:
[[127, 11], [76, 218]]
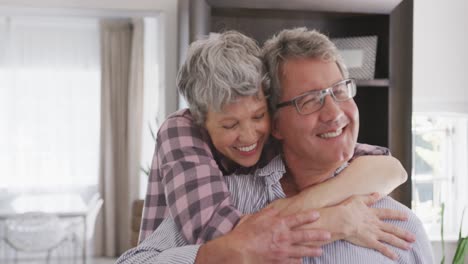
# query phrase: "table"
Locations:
[[61, 204]]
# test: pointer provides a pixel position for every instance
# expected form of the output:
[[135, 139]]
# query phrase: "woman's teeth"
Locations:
[[247, 148], [332, 134]]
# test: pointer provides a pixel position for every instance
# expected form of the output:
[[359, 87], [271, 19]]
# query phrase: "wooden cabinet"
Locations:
[[385, 102]]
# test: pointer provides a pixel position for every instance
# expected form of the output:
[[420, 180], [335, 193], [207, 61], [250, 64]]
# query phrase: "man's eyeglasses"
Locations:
[[312, 101]]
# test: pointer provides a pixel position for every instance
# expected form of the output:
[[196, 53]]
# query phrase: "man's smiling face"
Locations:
[[327, 136]]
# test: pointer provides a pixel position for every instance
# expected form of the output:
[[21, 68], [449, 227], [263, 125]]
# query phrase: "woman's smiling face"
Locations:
[[241, 129]]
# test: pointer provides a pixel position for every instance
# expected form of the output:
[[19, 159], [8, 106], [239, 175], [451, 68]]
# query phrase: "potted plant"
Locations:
[[462, 243]]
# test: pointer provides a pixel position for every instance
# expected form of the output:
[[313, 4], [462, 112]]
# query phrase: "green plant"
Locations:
[[462, 243]]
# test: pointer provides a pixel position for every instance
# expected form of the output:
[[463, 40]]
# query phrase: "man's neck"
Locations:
[[305, 173]]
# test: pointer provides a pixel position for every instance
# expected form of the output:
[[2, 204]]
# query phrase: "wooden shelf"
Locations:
[[354, 6], [373, 83]]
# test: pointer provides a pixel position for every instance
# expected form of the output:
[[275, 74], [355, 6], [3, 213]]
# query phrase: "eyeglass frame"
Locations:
[[323, 92]]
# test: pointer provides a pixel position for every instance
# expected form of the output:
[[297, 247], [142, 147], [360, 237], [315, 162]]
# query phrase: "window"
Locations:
[[49, 103], [440, 155], [151, 107]]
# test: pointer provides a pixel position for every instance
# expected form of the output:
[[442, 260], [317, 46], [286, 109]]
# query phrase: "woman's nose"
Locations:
[[248, 134]]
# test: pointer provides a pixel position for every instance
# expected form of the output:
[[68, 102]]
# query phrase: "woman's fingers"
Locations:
[[296, 220], [299, 251], [398, 232], [292, 261], [394, 241], [307, 236], [271, 238], [385, 250], [385, 213]]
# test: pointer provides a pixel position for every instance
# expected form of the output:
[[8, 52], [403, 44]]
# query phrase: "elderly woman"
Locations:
[[226, 130]]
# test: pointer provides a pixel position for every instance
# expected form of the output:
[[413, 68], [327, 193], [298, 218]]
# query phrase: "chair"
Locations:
[[137, 212], [95, 205], [34, 232]]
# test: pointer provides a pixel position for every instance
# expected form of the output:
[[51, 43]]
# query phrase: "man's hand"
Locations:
[[364, 225]]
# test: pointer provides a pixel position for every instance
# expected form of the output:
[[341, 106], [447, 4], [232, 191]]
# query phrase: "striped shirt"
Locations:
[[186, 181], [252, 193]]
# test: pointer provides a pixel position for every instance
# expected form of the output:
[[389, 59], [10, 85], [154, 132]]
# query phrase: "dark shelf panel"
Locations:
[[373, 83]]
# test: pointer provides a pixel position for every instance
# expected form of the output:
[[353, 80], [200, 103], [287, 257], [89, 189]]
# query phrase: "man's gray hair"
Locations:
[[218, 70], [296, 43]]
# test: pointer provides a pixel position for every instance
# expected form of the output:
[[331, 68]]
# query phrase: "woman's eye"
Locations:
[[230, 126], [260, 116]]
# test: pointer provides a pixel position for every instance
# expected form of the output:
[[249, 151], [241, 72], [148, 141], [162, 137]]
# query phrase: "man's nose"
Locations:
[[331, 109]]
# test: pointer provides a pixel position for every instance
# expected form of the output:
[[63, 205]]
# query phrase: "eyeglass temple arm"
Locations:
[[283, 104]]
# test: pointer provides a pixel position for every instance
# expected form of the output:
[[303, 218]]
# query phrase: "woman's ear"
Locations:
[[274, 129]]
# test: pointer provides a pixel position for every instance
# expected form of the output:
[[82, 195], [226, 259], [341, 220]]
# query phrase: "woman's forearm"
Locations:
[[366, 174]]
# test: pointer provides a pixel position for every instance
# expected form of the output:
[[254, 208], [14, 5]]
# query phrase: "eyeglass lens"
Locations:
[[313, 101]]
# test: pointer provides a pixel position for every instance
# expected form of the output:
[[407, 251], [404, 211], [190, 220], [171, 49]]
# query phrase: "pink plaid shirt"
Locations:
[[186, 181]]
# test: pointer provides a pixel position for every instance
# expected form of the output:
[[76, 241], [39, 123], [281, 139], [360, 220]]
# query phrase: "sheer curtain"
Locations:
[[60, 129], [49, 102], [122, 44]]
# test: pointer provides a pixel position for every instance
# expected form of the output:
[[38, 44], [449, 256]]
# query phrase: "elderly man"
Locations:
[[315, 119]]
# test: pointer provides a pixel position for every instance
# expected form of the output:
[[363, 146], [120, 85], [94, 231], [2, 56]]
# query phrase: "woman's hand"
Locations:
[[265, 237], [268, 237], [363, 226]]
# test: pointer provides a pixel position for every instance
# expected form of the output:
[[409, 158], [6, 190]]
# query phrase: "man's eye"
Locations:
[[309, 101], [260, 116], [340, 91]]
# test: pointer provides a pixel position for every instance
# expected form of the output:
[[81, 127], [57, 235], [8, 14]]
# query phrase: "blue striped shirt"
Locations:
[[251, 194]]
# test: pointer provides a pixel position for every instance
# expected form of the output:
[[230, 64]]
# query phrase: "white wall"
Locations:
[[440, 56], [169, 9]]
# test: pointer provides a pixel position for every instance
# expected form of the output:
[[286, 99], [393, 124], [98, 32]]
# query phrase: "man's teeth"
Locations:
[[248, 148], [332, 134]]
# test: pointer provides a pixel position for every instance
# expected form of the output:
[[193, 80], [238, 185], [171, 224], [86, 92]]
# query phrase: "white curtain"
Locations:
[[121, 123], [49, 102]]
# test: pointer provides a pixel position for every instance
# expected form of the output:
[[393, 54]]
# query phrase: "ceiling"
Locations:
[[349, 6]]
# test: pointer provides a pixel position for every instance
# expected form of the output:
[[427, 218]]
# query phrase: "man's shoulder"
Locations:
[[421, 250], [390, 203], [387, 202], [413, 224]]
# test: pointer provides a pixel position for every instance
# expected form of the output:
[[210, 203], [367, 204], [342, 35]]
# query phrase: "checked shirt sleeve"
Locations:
[[365, 149], [186, 185]]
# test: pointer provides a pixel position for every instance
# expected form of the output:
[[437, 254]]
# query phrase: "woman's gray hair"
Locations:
[[296, 43], [218, 70]]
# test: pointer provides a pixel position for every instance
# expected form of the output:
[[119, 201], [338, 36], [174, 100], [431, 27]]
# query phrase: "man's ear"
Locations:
[[274, 129]]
